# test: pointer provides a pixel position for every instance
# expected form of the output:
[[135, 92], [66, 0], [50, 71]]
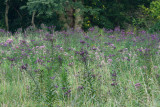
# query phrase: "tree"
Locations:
[[6, 14], [153, 13], [69, 11], [47, 7]]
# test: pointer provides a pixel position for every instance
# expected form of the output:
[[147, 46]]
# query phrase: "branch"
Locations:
[[18, 13]]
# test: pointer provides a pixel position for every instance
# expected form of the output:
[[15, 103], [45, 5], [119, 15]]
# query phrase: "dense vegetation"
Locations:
[[47, 68], [70, 53], [79, 13]]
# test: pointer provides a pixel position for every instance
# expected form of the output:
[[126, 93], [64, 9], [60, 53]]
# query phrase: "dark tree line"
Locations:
[[69, 13]]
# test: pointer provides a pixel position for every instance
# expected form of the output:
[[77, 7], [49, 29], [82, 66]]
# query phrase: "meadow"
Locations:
[[98, 68]]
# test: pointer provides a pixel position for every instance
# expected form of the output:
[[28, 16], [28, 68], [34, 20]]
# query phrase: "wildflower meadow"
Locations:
[[98, 68]]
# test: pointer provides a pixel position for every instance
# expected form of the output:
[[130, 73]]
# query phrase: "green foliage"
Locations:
[[102, 13], [111, 13], [153, 12], [155, 27], [44, 6], [154, 9]]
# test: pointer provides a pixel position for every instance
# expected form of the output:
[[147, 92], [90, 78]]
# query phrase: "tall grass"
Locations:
[[39, 68]]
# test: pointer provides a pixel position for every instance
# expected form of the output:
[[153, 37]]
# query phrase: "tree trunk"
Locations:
[[63, 20], [33, 17], [73, 18], [6, 15], [70, 17], [78, 19]]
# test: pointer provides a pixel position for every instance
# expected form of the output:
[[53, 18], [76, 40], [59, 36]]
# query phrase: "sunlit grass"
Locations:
[[77, 69]]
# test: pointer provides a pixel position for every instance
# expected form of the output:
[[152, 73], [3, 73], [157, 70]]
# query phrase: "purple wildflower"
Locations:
[[53, 77], [24, 66], [82, 42], [114, 74], [114, 84], [9, 41], [80, 87], [138, 85], [109, 60], [94, 48]]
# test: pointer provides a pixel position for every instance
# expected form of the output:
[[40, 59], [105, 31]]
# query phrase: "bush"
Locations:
[[155, 27]]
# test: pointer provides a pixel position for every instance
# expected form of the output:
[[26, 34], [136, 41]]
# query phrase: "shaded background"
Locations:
[[64, 14]]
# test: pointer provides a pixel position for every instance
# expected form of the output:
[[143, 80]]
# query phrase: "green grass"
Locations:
[[68, 73]]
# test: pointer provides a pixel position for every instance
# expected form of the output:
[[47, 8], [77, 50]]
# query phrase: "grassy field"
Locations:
[[100, 68]]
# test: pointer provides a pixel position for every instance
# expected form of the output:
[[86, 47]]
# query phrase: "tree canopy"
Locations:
[[74, 13]]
